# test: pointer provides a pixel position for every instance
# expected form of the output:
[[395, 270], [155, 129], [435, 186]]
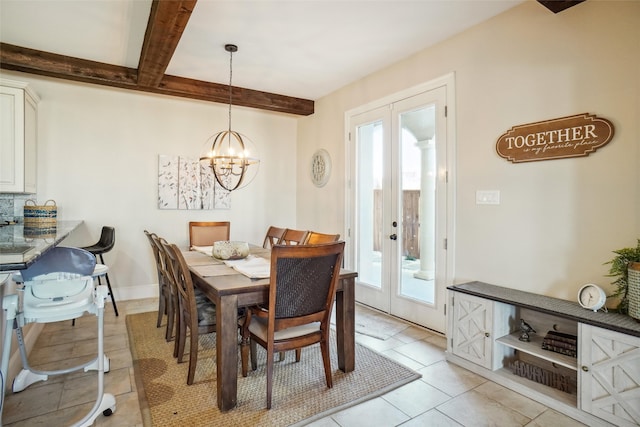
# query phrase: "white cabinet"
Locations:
[[610, 375], [18, 137], [599, 387], [473, 328]]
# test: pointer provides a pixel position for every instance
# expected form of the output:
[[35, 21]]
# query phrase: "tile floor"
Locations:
[[446, 395]]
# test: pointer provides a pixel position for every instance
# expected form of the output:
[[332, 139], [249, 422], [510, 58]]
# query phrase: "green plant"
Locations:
[[620, 269]]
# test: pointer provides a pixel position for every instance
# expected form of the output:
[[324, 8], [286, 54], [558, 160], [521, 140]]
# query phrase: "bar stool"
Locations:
[[105, 244]]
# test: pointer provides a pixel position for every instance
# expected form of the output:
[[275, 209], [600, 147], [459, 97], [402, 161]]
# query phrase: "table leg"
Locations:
[[345, 325], [227, 352]]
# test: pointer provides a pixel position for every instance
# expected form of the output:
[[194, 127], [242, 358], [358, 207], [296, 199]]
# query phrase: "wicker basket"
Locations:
[[40, 215]]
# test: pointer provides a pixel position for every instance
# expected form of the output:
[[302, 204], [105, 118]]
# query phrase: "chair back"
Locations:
[[107, 238], [292, 237], [164, 273], [204, 233], [178, 271], [303, 283], [61, 259], [155, 249], [314, 238], [274, 234]]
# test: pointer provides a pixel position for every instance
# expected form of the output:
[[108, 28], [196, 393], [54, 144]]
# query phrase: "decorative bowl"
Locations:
[[225, 249]]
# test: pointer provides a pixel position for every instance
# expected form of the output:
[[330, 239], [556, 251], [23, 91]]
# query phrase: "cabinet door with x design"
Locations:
[[610, 375], [472, 328]]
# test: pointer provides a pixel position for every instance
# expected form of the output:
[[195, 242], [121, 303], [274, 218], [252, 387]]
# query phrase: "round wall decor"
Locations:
[[320, 167]]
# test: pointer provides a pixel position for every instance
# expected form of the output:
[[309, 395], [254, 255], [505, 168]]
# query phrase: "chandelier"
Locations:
[[230, 153]]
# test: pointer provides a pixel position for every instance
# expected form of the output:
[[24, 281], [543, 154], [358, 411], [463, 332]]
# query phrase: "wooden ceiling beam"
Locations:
[[33, 61], [557, 6], [167, 22]]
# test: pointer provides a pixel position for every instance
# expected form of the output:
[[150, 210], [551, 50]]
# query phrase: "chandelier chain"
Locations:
[[230, 87]]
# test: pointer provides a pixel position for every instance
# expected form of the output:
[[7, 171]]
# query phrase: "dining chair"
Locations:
[[301, 293], [163, 288], [292, 237], [314, 238], [204, 233], [274, 234], [196, 313], [168, 289]]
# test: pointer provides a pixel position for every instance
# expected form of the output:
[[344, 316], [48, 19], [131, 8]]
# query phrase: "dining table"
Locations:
[[230, 289]]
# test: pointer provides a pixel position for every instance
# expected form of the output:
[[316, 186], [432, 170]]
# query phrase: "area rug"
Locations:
[[300, 394]]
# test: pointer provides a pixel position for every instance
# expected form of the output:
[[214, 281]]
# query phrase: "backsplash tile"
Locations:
[[12, 205]]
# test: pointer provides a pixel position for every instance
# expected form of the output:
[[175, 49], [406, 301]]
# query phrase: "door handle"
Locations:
[[393, 237]]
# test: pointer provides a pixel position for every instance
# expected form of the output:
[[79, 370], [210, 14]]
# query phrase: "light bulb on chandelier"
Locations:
[[231, 155]]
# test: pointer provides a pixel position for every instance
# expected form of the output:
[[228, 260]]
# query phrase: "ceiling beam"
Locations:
[[557, 6], [33, 61], [167, 22]]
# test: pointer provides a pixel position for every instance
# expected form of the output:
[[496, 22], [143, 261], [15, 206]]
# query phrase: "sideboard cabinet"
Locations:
[[18, 137], [597, 383]]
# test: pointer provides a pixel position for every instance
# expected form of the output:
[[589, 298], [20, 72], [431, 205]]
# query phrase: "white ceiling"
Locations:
[[300, 48]]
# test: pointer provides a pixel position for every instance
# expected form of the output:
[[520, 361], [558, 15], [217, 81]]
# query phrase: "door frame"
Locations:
[[448, 81]]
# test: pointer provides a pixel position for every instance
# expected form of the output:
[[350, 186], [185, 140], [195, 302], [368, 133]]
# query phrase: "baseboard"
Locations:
[[136, 292]]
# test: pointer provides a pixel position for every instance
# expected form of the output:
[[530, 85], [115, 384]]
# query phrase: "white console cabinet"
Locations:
[[18, 137], [599, 387]]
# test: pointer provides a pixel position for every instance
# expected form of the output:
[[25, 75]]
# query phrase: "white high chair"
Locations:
[[58, 287]]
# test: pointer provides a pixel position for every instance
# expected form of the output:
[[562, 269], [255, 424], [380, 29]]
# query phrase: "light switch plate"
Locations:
[[487, 197]]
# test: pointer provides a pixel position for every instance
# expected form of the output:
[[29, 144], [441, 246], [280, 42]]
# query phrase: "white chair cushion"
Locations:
[[258, 327]]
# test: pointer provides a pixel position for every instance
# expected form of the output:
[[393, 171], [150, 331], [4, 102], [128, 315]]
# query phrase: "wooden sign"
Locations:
[[573, 136]]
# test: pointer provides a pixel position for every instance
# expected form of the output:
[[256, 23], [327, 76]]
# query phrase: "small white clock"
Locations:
[[591, 297]]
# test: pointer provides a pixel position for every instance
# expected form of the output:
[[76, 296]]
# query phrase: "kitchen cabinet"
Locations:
[[599, 385], [18, 137]]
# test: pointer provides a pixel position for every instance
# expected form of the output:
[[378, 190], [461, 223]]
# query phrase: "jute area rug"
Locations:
[[300, 394]]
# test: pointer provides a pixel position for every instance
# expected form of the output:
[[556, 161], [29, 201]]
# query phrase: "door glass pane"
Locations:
[[369, 149], [417, 158]]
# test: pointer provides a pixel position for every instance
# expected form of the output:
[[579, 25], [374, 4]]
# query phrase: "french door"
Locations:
[[398, 203]]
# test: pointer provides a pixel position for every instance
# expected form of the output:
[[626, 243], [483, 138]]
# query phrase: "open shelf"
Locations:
[[561, 396], [534, 347]]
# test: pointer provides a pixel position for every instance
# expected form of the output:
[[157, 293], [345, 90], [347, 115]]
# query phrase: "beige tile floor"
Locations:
[[446, 395]]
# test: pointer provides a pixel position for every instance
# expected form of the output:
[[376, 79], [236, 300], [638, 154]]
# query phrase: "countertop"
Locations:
[[21, 246], [554, 306]]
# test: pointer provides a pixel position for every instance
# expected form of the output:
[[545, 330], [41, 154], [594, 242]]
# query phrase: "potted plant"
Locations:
[[620, 269]]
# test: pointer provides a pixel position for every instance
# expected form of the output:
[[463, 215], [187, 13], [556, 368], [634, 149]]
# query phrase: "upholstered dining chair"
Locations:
[[196, 313], [274, 234], [301, 293], [314, 238], [292, 237], [204, 233], [163, 288]]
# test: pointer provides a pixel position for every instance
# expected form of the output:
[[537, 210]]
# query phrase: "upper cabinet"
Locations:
[[18, 137]]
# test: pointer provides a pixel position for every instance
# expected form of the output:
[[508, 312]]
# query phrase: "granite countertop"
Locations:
[[21, 245], [555, 306]]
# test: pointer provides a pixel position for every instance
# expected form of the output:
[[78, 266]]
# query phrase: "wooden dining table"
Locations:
[[229, 290]]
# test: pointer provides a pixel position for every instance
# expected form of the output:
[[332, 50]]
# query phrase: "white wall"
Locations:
[[98, 153], [559, 220]]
